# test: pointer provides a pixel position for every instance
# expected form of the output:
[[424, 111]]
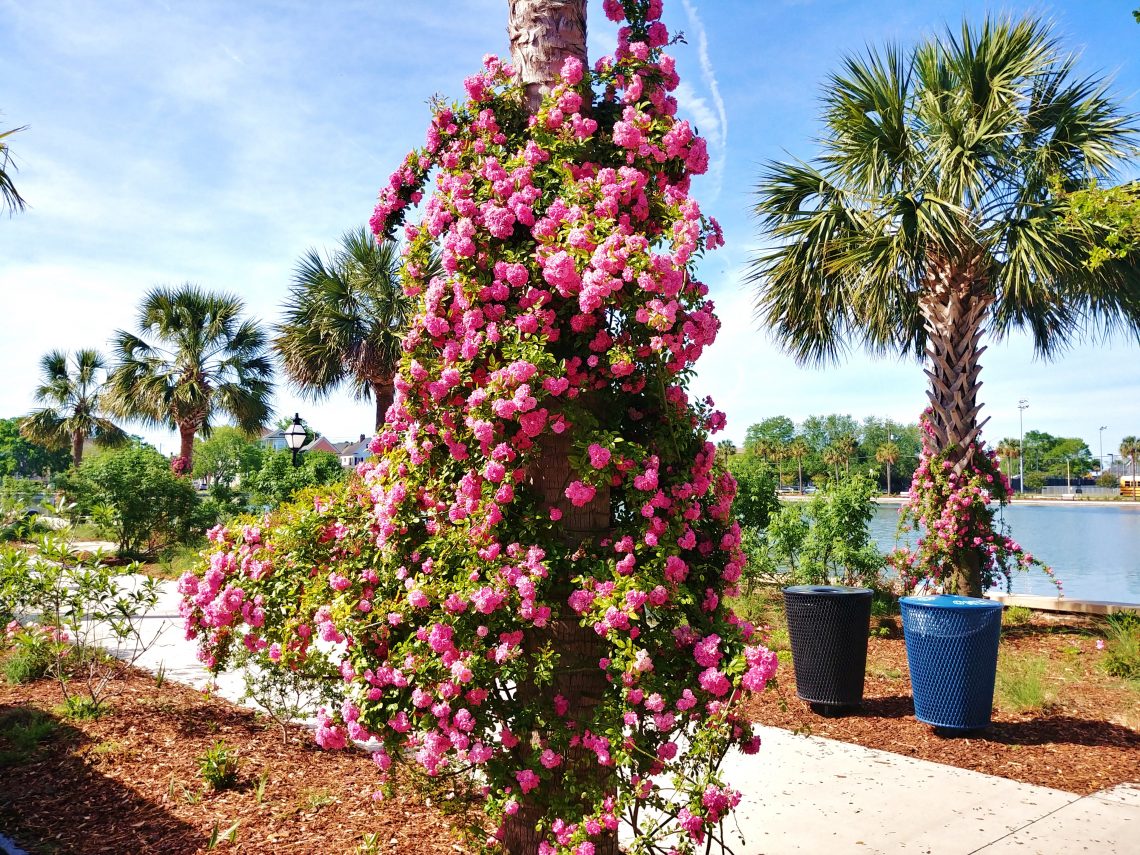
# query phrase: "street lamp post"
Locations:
[[295, 436], [1102, 429], [1021, 407]]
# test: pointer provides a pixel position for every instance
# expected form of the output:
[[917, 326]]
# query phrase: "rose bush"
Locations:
[[440, 584], [950, 512]]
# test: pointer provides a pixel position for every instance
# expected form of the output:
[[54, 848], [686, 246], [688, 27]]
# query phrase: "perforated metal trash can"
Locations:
[[828, 627], [952, 649]]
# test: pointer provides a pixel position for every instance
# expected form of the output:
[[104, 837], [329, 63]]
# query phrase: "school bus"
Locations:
[[1130, 487]]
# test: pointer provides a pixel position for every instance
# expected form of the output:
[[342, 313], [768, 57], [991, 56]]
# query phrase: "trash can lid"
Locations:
[[950, 601], [827, 590]]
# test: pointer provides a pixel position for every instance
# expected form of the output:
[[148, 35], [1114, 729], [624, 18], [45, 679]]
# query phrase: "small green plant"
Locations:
[[314, 800], [34, 649], [81, 707], [259, 789], [369, 844], [23, 730], [1022, 683], [218, 767], [216, 836], [1016, 616], [160, 675], [1122, 645]]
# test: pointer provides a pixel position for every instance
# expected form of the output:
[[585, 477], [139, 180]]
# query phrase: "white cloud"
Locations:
[[718, 125]]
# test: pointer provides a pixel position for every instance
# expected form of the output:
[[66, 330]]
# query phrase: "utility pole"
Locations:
[[1103, 428], [1021, 407]]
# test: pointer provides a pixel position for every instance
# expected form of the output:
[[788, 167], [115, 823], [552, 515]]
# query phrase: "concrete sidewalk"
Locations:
[[807, 794]]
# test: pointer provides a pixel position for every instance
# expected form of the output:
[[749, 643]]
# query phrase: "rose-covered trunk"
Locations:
[[543, 34], [186, 431], [383, 392], [954, 306]]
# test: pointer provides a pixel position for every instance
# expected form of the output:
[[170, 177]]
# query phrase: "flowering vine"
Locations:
[[436, 585], [953, 515]]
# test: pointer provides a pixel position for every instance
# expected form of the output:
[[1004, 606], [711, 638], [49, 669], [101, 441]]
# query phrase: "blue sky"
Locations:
[[214, 142]]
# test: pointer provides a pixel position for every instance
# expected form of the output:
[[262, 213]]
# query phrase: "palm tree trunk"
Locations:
[[543, 34], [186, 432], [77, 440], [800, 471], [383, 393], [954, 304], [888, 477]]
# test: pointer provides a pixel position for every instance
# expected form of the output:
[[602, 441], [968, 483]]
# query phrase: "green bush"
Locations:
[[1122, 646], [218, 767], [756, 498], [1016, 616], [278, 480], [33, 652], [824, 541], [142, 504]]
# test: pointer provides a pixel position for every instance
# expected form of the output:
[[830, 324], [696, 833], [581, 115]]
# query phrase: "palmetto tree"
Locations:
[[344, 320], [888, 454], [798, 449], [937, 210], [193, 358], [71, 391], [1009, 450], [1130, 448], [9, 197], [846, 446], [833, 456]]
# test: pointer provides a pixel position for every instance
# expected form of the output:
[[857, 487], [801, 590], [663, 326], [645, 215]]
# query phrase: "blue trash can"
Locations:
[[952, 649]]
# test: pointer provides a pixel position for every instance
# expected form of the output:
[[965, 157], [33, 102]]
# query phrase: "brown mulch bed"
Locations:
[[128, 783], [1086, 738]]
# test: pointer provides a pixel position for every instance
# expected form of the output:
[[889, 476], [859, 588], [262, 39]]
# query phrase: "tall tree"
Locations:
[[71, 390], [344, 319], [1130, 448], [937, 210], [10, 198], [888, 455], [798, 449], [1009, 450], [193, 358]]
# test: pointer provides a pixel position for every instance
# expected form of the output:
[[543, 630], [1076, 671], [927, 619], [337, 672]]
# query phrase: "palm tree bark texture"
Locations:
[[543, 34]]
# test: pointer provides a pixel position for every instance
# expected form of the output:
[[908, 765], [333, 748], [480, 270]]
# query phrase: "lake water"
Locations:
[[1093, 549]]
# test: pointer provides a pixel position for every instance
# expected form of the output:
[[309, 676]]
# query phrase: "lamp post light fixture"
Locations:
[[295, 436], [1022, 405]]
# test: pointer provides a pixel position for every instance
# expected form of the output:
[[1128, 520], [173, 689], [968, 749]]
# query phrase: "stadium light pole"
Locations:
[[1021, 407]]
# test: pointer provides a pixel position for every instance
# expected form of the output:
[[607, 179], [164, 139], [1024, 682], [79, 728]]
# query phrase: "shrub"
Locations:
[[756, 499], [1122, 645], [826, 540], [278, 480], [1016, 615], [23, 730], [218, 767], [89, 622], [1022, 683], [32, 651], [145, 506]]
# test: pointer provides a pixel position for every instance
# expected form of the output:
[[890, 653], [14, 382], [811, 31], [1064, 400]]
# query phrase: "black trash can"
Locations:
[[828, 626]]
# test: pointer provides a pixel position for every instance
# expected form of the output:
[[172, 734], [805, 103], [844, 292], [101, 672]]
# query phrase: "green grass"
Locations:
[[22, 732], [1122, 646], [1016, 616], [1023, 684], [175, 561]]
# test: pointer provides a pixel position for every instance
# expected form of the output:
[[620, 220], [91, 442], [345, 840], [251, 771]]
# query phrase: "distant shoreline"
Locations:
[[1036, 501]]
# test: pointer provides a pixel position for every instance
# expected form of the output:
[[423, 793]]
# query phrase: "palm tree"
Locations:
[[71, 391], [725, 449], [344, 320], [9, 197], [845, 445], [798, 449], [888, 453], [1130, 448], [192, 359], [1009, 450], [937, 210], [833, 456]]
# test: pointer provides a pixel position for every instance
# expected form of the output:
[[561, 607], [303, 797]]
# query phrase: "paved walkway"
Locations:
[[807, 794]]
